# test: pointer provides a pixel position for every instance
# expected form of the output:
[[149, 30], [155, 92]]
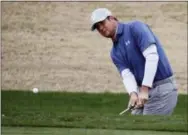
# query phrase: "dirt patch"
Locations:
[[49, 45]]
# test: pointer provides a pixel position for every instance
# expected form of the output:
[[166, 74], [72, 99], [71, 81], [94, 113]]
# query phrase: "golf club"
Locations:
[[126, 110]]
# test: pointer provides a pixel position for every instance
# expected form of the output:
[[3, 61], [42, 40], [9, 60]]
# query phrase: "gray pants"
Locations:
[[162, 99]]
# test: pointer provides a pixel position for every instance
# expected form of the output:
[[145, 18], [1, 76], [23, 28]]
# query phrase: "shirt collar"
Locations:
[[119, 31]]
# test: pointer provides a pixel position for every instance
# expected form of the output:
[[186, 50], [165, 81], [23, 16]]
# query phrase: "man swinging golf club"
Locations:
[[141, 61]]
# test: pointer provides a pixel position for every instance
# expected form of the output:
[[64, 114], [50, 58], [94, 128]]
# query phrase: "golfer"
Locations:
[[141, 61]]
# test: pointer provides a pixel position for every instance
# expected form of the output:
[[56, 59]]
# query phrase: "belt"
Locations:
[[167, 80]]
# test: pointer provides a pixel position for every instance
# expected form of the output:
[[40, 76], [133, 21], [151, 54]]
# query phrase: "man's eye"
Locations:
[[102, 22]]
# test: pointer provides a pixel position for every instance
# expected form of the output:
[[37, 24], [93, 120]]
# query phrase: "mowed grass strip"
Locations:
[[81, 131], [83, 110]]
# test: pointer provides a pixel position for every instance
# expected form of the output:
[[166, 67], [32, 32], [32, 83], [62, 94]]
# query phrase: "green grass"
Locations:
[[68, 131], [81, 110]]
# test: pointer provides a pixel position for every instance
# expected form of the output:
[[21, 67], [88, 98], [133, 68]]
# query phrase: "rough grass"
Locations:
[[49, 45], [82, 110]]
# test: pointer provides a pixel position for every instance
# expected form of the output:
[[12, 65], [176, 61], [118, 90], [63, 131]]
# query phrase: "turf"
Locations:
[[67, 131], [82, 110]]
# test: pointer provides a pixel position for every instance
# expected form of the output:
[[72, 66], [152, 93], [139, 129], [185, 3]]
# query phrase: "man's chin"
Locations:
[[107, 36]]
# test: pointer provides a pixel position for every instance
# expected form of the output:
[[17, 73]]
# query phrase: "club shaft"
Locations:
[[124, 111]]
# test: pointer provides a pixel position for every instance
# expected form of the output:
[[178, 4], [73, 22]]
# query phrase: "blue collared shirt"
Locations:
[[132, 39]]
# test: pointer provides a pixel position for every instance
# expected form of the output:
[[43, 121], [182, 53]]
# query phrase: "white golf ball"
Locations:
[[35, 90]]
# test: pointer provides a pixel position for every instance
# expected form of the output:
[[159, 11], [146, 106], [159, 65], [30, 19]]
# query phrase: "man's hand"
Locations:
[[143, 96], [133, 99]]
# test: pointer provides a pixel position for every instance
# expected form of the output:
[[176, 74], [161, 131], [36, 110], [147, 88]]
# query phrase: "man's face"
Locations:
[[106, 28]]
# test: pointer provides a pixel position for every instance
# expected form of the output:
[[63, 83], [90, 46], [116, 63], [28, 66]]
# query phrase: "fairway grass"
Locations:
[[83, 110], [68, 131]]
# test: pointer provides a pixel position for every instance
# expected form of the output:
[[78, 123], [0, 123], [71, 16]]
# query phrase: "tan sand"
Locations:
[[49, 45]]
